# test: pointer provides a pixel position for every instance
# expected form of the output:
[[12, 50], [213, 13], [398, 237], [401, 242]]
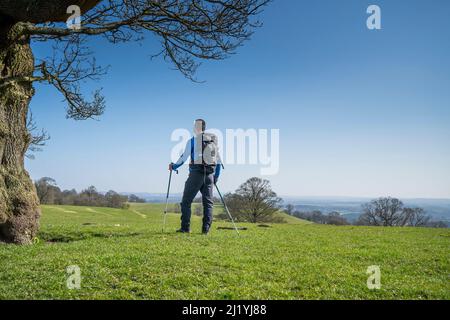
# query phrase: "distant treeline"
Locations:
[[387, 212], [316, 216], [49, 193]]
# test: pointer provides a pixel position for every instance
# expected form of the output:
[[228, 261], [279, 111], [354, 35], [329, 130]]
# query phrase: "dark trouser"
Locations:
[[203, 182]]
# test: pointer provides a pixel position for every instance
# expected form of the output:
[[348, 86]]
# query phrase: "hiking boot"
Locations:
[[183, 231]]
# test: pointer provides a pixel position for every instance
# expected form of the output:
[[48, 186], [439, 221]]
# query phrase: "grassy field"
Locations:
[[123, 254]]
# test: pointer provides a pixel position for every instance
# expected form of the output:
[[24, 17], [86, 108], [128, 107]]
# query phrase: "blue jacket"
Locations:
[[189, 152]]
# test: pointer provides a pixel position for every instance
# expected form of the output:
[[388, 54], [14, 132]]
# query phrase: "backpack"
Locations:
[[209, 155]]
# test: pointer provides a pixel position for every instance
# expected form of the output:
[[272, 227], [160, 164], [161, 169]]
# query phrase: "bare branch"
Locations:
[[189, 31], [40, 11], [70, 65], [38, 137]]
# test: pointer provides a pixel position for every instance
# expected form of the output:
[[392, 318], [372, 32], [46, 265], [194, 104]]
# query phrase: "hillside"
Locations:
[[123, 254], [438, 209]]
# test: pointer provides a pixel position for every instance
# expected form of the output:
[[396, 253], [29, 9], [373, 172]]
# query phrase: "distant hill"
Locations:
[[438, 209], [154, 197]]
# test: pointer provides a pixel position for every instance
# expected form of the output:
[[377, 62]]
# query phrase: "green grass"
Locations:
[[124, 255]]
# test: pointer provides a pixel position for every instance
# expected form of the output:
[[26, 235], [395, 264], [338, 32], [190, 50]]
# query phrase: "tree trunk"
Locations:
[[19, 204]]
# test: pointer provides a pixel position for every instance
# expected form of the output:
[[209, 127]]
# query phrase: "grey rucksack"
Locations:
[[207, 143]]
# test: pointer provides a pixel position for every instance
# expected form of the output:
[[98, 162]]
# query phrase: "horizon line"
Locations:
[[313, 196]]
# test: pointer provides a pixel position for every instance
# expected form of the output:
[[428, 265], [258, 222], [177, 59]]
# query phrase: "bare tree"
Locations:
[[335, 218], [47, 190], [254, 201], [135, 199], [114, 200], [289, 209], [391, 212], [415, 217], [382, 212], [189, 31]]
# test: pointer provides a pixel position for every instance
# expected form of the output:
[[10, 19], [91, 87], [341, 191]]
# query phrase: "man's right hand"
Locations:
[[170, 166]]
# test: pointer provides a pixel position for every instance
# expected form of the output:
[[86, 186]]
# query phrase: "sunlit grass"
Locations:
[[123, 254]]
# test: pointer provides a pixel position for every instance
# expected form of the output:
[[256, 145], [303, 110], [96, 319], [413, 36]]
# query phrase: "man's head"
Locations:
[[199, 126]]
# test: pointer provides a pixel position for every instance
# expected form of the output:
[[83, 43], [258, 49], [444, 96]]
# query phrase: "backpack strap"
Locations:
[[192, 150]]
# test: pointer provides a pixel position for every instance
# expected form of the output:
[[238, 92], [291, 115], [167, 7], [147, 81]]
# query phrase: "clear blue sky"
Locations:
[[360, 113]]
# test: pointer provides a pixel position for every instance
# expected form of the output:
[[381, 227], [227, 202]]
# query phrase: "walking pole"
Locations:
[[226, 209], [167, 200]]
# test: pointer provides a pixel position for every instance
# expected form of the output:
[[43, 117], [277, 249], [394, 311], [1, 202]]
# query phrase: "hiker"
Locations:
[[204, 171]]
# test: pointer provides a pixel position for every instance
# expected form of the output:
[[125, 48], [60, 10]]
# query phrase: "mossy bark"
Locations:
[[19, 204]]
